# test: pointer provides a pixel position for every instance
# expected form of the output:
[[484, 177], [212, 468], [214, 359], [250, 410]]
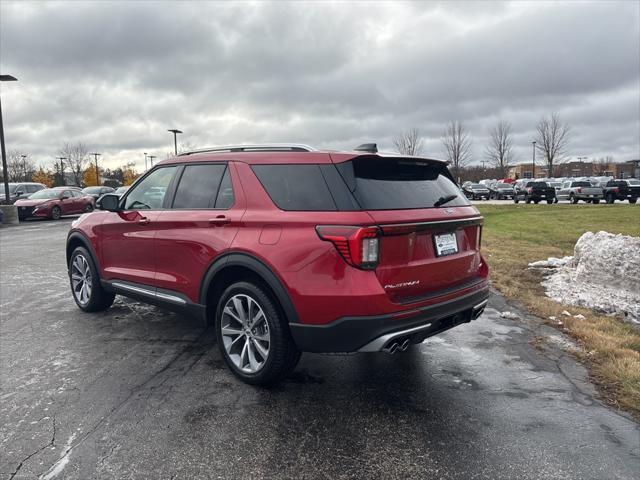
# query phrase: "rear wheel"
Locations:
[[596, 201], [527, 199], [85, 283], [610, 198], [56, 213], [633, 200], [88, 208], [515, 199], [573, 199], [549, 201], [253, 336]]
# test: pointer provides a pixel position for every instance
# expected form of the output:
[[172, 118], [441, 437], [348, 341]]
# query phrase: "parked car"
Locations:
[[19, 190], [54, 203], [533, 191], [121, 190], [574, 191], [627, 189], [501, 191], [476, 191], [97, 192], [288, 249]]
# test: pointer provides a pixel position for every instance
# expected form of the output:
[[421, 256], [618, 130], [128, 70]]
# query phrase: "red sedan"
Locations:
[[53, 203]]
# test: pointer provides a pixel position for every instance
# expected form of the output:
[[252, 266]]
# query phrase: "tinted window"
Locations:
[[225, 197], [394, 184], [149, 193], [295, 187], [32, 188], [537, 184], [581, 184], [198, 186]]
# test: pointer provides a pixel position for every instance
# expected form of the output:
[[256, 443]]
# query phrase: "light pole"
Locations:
[[96, 155], [62, 169], [24, 167], [533, 163], [151, 157], [175, 140], [5, 173], [145, 162]]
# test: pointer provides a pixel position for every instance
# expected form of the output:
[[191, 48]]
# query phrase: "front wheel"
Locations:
[[596, 201], [515, 199], [56, 213], [549, 201], [85, 283], [253, 336], [527, 200], [573, 199], [633, 200], [610, 199], [88, 208]]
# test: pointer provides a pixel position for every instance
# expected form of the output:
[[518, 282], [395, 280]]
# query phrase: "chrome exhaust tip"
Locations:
[[405, 345], [391, 348]]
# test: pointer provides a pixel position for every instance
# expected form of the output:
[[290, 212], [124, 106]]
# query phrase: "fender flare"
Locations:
[[259, 268], [86, 243]]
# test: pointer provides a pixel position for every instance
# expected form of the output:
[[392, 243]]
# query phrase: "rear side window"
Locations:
[[398, 184], [198, 187], [296, 187]]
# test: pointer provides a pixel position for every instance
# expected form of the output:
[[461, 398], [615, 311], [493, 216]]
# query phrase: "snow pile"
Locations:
[[603, 274]]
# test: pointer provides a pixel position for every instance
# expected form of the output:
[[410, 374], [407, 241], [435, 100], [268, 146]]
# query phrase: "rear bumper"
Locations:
[[374, 333]]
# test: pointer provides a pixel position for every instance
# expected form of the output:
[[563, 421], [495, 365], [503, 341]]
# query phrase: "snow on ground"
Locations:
[[603, 274]]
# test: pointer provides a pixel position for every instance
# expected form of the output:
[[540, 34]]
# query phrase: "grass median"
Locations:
[[515, 235]]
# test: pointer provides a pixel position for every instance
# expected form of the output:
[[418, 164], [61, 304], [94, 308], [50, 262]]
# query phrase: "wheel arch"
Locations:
[[237, 266], [77, 239]]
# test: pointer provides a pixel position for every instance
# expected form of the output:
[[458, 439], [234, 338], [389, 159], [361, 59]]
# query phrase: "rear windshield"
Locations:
[[398, 184], [503, 185], [581, 184], [537, 184]]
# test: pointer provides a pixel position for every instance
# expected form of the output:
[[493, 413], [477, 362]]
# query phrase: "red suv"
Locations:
[[286, 249]]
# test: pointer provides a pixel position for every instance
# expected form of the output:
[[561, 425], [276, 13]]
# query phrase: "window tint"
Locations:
[[295, 187], [225, 197], [32, 188], [149, 193], [581, 184], [396, 184], [198, 186]]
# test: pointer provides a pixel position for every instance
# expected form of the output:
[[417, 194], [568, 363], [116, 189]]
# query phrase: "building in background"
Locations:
[[628, 169]]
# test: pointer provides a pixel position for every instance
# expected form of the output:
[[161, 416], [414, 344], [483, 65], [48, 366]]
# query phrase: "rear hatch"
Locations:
[[428, 246]]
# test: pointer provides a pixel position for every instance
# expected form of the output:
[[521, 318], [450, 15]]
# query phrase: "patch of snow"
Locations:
[[579, 316], [57, 467], [565, 313], [510, 315], [552, 318], [551, 262], [603, 274]]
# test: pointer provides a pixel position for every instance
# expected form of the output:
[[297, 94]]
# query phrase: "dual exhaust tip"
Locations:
[[397, 346]]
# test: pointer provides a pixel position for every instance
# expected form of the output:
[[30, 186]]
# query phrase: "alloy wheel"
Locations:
[[245, 333], [81, 279]]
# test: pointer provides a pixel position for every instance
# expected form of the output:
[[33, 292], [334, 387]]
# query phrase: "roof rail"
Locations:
[[263, 147]]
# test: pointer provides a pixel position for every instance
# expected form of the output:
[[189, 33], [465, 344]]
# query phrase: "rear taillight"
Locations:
[[529, 190], [359, 246], [616, 190], [579, 190]]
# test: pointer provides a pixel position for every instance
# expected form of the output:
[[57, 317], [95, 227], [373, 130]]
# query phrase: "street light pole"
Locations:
[[24, 167], [175, 140], [145, 162], [533, 164], [62, 170], [151, 157], [5, 173], [96, 155]]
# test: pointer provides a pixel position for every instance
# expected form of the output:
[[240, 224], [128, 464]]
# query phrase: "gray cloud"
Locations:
[[116, 75]]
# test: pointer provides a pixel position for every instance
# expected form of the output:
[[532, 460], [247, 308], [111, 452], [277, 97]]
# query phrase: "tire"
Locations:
[[527, 200], [515, 200], [238, 350], [573, 199], [536, 202], [82, 271], [550, 201], [555, 200], [56, 213], [610, 198], [88, 208], [596, 201], [633, 200]]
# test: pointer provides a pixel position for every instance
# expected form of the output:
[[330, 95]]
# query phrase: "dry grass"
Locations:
[[515, 235]]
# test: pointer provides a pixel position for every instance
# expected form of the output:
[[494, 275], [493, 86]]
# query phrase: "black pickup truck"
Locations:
[[533, 191], [622, 190]]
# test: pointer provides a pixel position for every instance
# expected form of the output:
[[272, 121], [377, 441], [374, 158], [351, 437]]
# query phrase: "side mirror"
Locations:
[[19, 193], [64, 197], [109, 202]]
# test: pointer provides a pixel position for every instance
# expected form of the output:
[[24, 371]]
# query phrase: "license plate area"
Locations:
[[446, 244]]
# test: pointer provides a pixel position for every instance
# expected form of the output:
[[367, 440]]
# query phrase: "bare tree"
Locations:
[[182, 148], [499, 152], [552, 141], [76, 154], [15, 172], [602, 165], [457, 144], [409, 142]]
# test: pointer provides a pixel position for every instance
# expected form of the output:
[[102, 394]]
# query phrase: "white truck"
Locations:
[[576, 190]]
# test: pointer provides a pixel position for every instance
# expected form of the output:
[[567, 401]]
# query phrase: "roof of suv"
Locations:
[[279, 154]]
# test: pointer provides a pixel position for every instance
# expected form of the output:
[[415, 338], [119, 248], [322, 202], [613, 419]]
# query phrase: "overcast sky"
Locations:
[[117, 75]]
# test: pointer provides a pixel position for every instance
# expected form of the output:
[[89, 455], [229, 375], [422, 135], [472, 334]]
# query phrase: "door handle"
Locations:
[[219, 220], [144, 221]]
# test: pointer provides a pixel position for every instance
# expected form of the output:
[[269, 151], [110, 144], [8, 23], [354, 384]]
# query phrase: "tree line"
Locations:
[[72, 158], [552, 139]]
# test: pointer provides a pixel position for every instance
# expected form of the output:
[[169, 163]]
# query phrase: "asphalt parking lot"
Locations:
[[138, 392]]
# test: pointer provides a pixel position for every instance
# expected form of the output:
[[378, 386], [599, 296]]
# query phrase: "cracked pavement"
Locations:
[[139, 392]]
